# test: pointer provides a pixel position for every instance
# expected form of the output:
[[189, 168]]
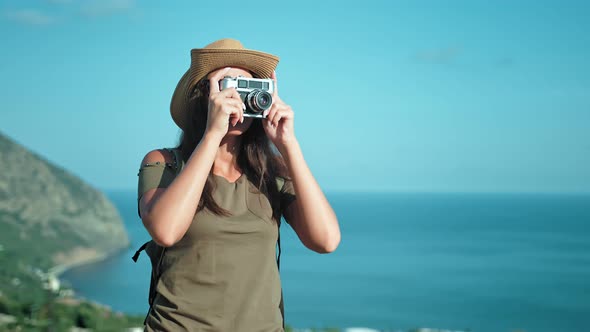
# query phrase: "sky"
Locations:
[[435, 96]]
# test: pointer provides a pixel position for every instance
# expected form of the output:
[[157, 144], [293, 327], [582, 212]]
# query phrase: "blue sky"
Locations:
[[388, 95]]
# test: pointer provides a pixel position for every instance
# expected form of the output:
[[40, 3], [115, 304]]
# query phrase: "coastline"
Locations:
[[60, 269], [81, 259]]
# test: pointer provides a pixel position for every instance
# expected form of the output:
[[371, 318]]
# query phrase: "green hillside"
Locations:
[[50, 220]]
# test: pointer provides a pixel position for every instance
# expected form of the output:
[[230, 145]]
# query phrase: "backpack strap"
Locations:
[[281, 306], [279, 258], [136, 255], [280, 184]]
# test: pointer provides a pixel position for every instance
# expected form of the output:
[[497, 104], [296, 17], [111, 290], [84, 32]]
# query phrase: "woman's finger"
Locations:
[[271, 117], [271, 113], [229, 101], [236, 96], [267, 126], [276, 119], [233, 94], [234, 112], [275, 90], [232, 97], [278, 110], [281, 114], [235, 121], [242, 107], [229, 93], [214, 80]]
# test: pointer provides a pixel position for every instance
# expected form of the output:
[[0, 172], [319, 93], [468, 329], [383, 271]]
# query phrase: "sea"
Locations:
[[450, 261]]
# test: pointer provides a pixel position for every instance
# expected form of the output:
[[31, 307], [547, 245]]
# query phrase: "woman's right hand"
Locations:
[[223, 105]]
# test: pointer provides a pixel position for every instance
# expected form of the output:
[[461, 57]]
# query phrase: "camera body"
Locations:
[[256, 93]]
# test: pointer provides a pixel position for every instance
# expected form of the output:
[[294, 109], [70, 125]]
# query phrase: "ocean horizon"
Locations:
[[455, 261]]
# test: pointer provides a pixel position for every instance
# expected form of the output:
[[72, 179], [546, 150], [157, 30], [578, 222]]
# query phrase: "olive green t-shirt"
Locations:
[[222, 275]]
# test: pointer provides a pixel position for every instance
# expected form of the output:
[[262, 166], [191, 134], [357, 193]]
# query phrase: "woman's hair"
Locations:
[[257, 157]]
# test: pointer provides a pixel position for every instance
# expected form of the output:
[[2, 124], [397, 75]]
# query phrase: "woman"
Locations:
[[218, 217]]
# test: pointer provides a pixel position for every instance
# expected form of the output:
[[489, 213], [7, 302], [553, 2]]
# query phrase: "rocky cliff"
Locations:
[[50, 217]]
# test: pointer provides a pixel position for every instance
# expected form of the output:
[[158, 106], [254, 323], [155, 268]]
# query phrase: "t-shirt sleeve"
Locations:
[[287, 194], [153, 175]]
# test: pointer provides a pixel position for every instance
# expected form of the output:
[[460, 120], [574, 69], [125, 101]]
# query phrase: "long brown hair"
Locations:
[[257, 156]]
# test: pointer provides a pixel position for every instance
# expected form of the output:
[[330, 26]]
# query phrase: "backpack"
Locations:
[[156, 252]]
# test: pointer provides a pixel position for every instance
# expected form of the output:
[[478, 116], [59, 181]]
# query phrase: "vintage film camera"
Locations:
[[256, 93]]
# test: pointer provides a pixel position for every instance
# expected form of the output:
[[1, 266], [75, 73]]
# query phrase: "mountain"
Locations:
[[51, 220], [50, 217]]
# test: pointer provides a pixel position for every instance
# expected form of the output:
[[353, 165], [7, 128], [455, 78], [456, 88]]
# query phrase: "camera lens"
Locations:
[[259, 100], [263, 100]]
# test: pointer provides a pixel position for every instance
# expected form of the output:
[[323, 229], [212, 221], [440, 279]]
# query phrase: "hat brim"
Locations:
[[204, 61]]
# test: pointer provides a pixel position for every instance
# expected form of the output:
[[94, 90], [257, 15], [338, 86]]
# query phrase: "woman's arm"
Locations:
[[167, 213], [310, 214]]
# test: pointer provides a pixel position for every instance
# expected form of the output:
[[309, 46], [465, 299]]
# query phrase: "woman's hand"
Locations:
[[278, 123], [223, 105]]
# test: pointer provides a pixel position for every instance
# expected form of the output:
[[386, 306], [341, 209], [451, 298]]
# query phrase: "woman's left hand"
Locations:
[[278, 124]]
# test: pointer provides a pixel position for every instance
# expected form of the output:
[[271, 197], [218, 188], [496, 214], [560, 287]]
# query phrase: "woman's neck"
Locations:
[[226, 158]]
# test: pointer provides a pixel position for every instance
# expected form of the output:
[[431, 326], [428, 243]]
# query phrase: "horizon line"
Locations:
[[417, 191]]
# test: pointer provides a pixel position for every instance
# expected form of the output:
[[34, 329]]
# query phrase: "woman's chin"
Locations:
[[239, 128], [234, 132]]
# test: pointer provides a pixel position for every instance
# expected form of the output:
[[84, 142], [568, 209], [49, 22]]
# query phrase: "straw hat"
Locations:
[[219, 54]]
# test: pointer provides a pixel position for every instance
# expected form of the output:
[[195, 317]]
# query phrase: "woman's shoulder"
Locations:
[[163, 156]]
